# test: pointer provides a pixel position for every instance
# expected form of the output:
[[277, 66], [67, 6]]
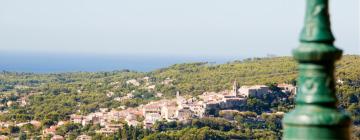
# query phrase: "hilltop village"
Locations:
[[181, 108]]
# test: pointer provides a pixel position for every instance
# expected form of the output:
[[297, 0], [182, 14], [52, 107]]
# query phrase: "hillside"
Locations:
[[196, 78], [55, 96]]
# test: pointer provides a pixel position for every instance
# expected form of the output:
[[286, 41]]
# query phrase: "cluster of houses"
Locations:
[[22, 101], [109, 120], [177, 109]]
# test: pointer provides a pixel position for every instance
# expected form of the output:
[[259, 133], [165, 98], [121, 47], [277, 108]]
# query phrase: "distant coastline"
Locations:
[[59, 63]]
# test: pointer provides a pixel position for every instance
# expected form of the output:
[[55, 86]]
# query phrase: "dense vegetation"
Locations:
[[53, 97]]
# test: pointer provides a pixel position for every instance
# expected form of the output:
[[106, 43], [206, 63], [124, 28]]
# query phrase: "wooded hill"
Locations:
[[55, 96]]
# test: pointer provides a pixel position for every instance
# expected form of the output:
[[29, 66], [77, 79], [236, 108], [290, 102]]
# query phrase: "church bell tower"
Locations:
[[235, 88]]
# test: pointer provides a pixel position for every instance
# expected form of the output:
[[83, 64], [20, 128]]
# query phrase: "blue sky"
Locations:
[[218, 28]]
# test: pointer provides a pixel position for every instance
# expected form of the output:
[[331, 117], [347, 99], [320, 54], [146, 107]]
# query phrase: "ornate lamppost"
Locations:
[[315, 115]]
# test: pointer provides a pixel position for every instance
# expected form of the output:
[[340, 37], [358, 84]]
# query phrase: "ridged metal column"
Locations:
[[315, 116]]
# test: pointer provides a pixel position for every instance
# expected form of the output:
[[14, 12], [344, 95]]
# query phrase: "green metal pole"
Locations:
[[315, 116]]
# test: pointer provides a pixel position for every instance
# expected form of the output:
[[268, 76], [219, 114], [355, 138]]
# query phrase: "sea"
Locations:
[[60, 63]]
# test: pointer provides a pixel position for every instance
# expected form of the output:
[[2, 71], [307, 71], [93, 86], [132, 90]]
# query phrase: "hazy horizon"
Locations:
[[59, 63], [159, 32]]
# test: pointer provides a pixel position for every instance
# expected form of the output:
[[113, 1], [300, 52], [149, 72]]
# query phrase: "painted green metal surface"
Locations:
[[315, 116]]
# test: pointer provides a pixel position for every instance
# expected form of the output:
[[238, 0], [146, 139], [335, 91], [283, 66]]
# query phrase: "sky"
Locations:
[[216, 28]]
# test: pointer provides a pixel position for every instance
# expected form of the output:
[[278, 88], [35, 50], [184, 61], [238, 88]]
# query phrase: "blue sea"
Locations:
[[59, 63]]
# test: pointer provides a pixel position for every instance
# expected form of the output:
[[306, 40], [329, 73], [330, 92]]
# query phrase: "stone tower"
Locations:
[[234, 89]]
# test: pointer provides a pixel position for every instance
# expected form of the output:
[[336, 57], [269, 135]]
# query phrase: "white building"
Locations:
[[253, 91], [197, 109], [131, 120], [151, 118], [184, 114], [153, 108], [169, 112]]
